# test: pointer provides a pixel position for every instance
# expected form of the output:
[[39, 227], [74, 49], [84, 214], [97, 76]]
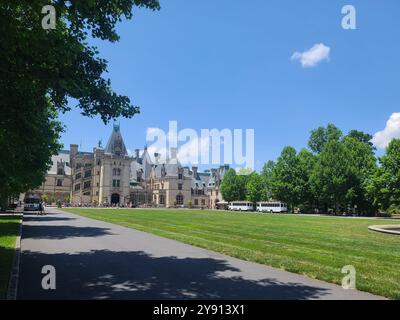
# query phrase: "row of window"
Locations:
[[86, 185], [196, 202], [116, 183], [198, 192], [116, 171], [79, 165], [87, 174]]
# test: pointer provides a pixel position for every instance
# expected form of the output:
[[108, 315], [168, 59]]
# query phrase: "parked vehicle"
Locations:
[[272, 207], [241, 206], [31, 204]]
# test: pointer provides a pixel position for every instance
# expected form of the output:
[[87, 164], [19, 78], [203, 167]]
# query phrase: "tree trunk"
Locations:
[[3, 203]]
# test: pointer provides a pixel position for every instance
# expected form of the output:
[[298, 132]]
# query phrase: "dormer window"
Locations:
[[60, 171]]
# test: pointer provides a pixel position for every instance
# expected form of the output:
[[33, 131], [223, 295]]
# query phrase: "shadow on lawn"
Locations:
[[104, 274]]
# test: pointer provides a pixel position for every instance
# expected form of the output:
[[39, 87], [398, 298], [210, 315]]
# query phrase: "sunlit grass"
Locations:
[[9, 226]]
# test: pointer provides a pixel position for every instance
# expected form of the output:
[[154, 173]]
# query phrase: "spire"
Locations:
[[115, 144]]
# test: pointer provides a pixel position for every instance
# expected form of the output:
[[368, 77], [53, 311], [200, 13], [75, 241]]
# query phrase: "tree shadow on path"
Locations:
[[59, 232], [104, 274]]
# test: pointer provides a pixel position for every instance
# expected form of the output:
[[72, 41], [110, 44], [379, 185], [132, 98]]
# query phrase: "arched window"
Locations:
[[179, 199]]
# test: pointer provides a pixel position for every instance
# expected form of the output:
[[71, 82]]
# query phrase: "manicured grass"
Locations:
[[315, 246], [9, 226]]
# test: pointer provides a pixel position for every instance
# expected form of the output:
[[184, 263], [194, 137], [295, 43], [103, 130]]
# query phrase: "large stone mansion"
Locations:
[[109, 176]]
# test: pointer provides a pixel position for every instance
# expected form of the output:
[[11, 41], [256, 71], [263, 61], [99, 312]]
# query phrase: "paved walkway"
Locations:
[[98, 260]]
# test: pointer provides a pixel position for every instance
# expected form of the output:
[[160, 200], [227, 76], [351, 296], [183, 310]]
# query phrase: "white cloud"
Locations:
[[312, 57], [382, 138]]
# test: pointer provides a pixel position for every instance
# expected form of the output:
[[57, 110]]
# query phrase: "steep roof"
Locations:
[[115, 144]]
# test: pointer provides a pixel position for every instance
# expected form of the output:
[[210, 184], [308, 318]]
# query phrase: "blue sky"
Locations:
[[227, 64]]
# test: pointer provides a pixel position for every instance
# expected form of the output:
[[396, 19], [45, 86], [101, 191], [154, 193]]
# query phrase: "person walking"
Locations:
[[41, 207]]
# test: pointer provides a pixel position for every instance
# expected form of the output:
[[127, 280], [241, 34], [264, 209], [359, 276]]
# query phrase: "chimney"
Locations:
[[194, 169], [137, 153]]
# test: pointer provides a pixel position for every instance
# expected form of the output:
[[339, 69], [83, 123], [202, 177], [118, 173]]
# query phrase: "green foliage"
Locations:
[[255, 188], [363, 165], [229, 186], [330, 177], [322, 135], [266, 174], [362, 137], [384, 185], [26, 147], [9, 230], [285, 176], [306, 163], [335, 175], [339, 174], [42, 71], [59, 62]]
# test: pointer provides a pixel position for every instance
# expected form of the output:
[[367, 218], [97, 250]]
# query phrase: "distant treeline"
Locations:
[[337, 173]]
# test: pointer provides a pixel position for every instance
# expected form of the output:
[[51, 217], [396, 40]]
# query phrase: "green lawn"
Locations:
[[315, 246], [9, 226]]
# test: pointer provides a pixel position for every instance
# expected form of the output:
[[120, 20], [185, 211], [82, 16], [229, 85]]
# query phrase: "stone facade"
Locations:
[[57, 184], [109, 176]]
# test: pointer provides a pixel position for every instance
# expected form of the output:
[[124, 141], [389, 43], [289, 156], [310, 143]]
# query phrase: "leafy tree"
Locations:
[[255, 188], [330, 179], [306, 163], [45, 198], [26, 150], [43, 70], [266, 174], [322, 135], [284, 178], [363, 164], [241, 182], [229, 186], [384, 185], [362, 137]]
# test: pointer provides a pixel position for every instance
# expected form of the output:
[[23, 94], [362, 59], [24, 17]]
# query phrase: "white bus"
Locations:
[[241, 206], [272, 207]]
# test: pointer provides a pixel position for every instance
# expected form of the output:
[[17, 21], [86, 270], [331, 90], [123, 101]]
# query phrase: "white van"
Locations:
[[241, 206], [32, 204], [272, 207]]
